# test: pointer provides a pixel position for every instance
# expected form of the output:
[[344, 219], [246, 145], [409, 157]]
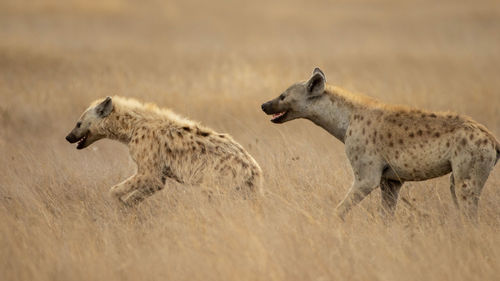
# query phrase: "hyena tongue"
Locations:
[[277, 115]]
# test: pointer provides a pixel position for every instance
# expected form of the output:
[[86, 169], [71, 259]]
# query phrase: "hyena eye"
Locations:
[[282, 97], [78, 124]]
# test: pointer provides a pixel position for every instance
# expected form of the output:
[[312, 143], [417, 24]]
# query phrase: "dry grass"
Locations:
[[216, 61]]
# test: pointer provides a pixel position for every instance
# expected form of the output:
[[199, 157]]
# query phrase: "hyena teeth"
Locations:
[[82, 139]]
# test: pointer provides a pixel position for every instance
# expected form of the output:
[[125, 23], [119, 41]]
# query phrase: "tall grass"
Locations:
[[216, 62]]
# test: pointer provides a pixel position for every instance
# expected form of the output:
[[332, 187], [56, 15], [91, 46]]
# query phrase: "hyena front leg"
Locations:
[[137, 196], [452, 190], [389, 195], [367, 178], [136, 188], [123, 188]]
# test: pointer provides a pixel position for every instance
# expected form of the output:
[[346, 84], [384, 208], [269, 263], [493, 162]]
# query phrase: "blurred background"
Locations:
[[216, 62]]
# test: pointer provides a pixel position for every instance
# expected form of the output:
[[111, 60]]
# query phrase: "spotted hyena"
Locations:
[[166, 148], [388, 145]]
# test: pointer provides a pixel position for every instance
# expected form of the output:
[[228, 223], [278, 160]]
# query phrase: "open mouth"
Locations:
[[277, 117], [81, 141]]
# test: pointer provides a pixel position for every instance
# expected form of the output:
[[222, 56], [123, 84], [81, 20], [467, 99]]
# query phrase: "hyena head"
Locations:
[[88, 128], [294, 102]]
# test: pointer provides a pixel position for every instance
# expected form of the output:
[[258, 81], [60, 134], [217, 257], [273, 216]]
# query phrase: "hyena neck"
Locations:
[[119, 126], [332, 112]]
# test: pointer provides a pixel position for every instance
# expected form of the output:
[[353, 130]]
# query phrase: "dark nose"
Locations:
[[70, 138], [265, 106]]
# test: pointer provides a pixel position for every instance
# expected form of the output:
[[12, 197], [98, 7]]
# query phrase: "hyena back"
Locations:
[[388, 145], [166, 148]]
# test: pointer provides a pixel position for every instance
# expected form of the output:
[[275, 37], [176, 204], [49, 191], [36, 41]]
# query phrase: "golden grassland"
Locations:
[[216, 62]]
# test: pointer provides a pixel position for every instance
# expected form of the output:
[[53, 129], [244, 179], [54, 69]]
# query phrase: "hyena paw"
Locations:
[[118, 195], [340, 214], [133, 198], [114, 192]]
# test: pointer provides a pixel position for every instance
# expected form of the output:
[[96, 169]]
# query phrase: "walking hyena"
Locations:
[[388, 145], [165, 148]]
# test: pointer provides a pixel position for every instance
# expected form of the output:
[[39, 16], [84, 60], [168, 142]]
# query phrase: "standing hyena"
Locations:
[[165, 148], [388, 145]]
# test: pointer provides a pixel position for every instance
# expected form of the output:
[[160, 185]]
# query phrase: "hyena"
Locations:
[[166, 148], [389, 145]]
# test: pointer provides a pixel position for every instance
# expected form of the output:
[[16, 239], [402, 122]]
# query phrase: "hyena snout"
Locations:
[[71, 138], [266, 107], [272, 107], [84, 138], [278, 110], [75, 135]]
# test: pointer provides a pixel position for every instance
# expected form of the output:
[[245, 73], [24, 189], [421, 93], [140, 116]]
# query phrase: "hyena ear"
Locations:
[[316, 84], [317, 70], [105, 107]]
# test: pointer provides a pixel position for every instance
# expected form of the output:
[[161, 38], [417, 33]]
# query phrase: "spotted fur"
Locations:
[[167, 149], [389, 145]]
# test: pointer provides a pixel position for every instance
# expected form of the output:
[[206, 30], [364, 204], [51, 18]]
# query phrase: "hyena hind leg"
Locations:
[[468, 186], [468, 199], [251, 188], [389, 196]]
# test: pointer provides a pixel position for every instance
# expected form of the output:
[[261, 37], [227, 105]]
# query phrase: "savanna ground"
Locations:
[[217, 61]]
